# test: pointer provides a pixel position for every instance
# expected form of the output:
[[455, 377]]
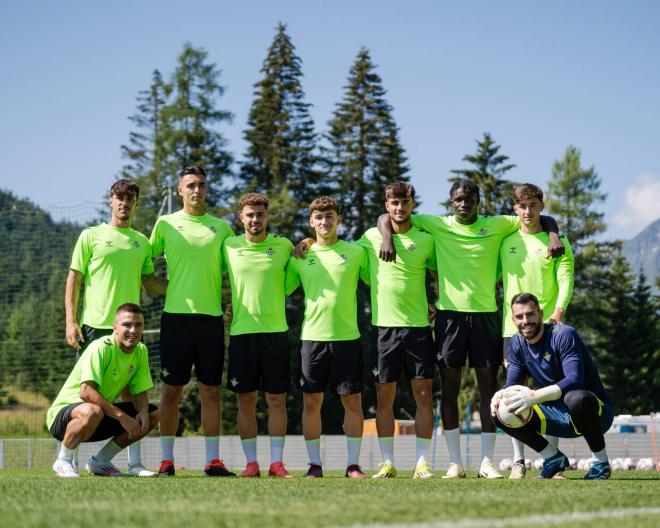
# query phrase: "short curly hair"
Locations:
[[399, 189], [252, 199], [125, 188], [527, 191], [324, 203]]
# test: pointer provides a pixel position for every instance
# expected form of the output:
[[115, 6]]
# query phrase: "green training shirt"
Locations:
[[525, 268], [398, 289], [467, 258], [112, 261], [112, 369], [329, 275], [257, 273], [193, 249]]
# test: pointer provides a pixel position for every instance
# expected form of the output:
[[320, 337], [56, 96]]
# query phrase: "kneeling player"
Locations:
[[570, 401], [83, 410]]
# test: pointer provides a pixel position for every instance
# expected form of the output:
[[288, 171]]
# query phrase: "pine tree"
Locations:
[[364, 151], [489, 169], [282, 157]]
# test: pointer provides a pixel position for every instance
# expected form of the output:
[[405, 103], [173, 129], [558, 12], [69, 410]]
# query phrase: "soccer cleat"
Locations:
[[251, 470], [488, 470], [354, 471], [64, 469], [454, 471], [553, 465], [422, 471], [216, 468], [102, 469], [277, 469], [166, 468], [138, 470], [314, 471], [559, 476], [599, 471], [518, 471], [386, 470]]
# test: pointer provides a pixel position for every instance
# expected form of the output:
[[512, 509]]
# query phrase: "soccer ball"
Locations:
[[510, 419]]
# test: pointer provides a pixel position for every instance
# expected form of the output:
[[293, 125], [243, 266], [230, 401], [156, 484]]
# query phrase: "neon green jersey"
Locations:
[[525, 268], [329, 275], [193, 249], [467, 258], [112, 369], [257, 273], [398, 289], [112, 261]]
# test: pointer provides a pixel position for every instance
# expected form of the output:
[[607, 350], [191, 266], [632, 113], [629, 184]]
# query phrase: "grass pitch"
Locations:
[[36, 498]]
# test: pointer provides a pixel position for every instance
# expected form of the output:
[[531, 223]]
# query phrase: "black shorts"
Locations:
[[477, 335], [188, 340], [108, 427], [259, 362], [337, 362], [409, 349], [90, 334]]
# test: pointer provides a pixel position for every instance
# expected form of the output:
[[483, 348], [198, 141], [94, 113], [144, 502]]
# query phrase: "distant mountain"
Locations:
[[643, 251]]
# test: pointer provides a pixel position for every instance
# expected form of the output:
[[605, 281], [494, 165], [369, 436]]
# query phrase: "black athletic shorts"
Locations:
[[188, 340], [259, 361], [395, 349], [474, 335], [337, 362], [108, 427], [90, 334]]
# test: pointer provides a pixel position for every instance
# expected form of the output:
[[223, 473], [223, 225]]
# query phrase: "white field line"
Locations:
[[528, 520]]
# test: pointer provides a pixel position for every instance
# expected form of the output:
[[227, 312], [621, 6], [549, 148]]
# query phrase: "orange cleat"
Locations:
[[277, 469]]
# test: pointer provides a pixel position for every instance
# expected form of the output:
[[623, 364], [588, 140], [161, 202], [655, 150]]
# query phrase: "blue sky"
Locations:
[[537, 75]]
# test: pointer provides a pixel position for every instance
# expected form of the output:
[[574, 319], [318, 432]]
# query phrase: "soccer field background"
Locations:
[[38, 498]]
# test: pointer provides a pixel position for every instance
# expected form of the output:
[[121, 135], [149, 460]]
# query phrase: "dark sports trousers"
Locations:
[[191, 340], [107, 428], [259, 361], [338, 363], [402, 349], [473, 335]]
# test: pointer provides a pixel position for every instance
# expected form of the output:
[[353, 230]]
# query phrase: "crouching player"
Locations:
[[570, 400], [83, 410]]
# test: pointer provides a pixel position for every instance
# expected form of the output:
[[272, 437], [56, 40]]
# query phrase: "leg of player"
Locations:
[[583, 406], [277, 420], [247, 429], [311, 424], [554, 461], [487, 383], [385, 394], [84, 420], [353, 428], [101, 462], [210, 403], [423, 425], [170, 398], [451, 384], [135, 467]]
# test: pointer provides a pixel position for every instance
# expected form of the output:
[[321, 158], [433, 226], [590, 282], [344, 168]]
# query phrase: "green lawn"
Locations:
[[35, 498]]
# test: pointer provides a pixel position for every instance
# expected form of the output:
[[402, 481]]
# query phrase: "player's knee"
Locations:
[[580, 401], [312, 402], [92, 415], [171, 395], [276, 402], [423, 394], [352, 403], [385, 393], [209, 393]]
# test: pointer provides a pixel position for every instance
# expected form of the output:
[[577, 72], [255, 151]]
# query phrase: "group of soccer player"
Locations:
[[464, 253]]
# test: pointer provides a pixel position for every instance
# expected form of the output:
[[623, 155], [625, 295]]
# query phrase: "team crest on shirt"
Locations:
[[239, 252], [343, 258], [136, 244], [108, 243], [131, 369], [512, 250], [539, 252], [213, 229], [311, 261], [483, 232], [547, 356], [179, 227], [411, 247], [270, 252]]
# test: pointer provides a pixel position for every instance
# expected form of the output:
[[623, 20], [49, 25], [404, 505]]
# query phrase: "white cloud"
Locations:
[[641, 205]]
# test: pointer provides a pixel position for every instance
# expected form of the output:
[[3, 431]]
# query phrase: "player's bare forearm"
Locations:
[[154, 285], [90, 394], [555, 245], [387, 251], [74, 334], [557, 316], [302, 247]]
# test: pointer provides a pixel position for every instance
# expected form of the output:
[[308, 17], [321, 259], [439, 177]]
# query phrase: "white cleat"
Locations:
[[454, 471], [138, 470], [64, 469], [102, 469], [489, 471], [518, 471]]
